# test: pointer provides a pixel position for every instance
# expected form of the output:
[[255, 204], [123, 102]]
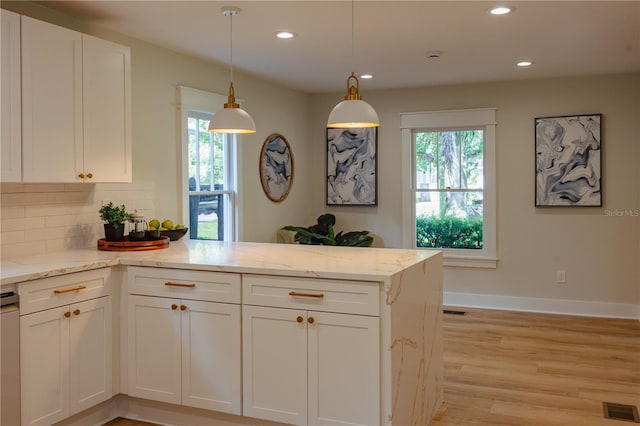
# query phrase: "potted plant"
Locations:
[[323, 234], [115, 217]]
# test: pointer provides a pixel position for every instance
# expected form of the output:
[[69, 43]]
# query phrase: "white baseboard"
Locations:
[[550, 306]]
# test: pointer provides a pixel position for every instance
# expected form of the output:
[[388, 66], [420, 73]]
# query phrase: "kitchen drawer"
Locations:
[[349, 297], [184, 284], [46, 293]]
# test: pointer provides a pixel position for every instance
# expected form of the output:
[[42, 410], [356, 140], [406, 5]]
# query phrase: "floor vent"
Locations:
[[628, 413], [450, 312]]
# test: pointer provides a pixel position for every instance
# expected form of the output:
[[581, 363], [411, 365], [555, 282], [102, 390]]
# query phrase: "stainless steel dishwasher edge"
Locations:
[[9, 364]]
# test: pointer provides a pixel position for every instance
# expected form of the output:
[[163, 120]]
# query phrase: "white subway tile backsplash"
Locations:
[[21, 224], [12, 212], [38, 218], [12, 237], [22, 249]]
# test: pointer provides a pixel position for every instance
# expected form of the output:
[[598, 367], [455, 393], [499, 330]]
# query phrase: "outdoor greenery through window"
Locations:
[[449, 188], [209, 190]]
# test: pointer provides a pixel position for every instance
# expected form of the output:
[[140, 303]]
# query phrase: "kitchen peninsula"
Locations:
[[236, 331]]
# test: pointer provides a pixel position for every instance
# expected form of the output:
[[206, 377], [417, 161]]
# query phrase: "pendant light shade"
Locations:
[[353, 112], [232, 118]]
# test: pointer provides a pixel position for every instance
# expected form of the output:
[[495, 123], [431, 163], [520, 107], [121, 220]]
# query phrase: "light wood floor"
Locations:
[[522, 369], [509, 368]]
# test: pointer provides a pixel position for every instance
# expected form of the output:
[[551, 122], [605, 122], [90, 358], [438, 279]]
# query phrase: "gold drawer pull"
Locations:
[[70, 289], [89, 175], [67, 314], [296, 294], [174, 306], [170, 284], [76, 312], [81, 175], [299, 319]]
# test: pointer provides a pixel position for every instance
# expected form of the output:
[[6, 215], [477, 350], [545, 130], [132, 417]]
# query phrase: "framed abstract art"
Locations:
[[276, 167], [352, 167], [568, 161]]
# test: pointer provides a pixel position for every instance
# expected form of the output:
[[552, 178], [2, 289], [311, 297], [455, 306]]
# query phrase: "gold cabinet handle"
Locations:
[[296, 294], [183, 308], [81, 175], [170, 284], [70, 289], [89, 175], [311, 320], [67, 314], [174, 306], [76, 312], [299, 319]]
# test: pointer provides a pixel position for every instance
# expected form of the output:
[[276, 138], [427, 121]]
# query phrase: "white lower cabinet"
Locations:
[[65, 360], [309, 367], [183, 351]]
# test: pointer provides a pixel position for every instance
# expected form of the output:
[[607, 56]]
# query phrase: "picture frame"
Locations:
[[568, 161], [352, 175], [276, 167]]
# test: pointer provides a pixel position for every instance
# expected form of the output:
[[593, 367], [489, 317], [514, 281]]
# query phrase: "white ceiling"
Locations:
[[392, 38]]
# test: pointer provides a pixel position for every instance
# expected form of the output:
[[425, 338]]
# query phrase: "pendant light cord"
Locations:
[[231, 47], [353, 55]]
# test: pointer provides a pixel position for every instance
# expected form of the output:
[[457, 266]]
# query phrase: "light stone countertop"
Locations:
[[353, 263]]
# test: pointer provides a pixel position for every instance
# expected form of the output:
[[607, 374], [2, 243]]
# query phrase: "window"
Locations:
[[450, 184], [208, 168]]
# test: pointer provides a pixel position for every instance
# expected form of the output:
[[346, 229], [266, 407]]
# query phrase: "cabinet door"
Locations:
[[106, 76], [11, 142], [90, 354], [211, 356], [274, 364], [154, 348], [51, 102], [344, 369], [44, 366]]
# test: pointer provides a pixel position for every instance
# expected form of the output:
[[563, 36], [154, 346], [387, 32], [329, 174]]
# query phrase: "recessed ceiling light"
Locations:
[[524, 63], [366, 76], [501, 10], [285, 34]]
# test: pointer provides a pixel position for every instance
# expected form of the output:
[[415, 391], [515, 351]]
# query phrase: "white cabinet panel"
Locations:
[[185, 352], [344, 384], [154, 348], [51, 102], [274, 364], [106, 106], [90, 355], [44, 366], [211, 356], [11, 130]]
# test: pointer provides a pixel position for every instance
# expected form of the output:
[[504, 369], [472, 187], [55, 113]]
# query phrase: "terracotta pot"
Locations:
[[113, 234]]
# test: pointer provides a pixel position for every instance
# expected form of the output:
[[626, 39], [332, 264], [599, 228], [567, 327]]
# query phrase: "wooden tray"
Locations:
[[127, 245]]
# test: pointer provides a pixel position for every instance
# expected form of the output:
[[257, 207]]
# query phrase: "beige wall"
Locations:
[[600, 253]]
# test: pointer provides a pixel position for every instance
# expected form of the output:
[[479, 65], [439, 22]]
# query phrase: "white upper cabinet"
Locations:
[[11, 156], [76, 109], [51, 102], [106, 105]]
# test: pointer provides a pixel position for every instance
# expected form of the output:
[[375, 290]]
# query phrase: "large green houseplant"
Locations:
[[323, 234], [115, 217]]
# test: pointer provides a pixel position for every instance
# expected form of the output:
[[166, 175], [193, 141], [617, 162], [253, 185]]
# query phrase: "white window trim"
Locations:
[[480, 117], [189, 99]]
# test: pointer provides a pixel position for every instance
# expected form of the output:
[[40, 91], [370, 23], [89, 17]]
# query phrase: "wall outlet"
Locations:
[[561, 277]]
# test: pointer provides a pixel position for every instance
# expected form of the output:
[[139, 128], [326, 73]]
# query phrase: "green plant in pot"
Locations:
[[115, 217], [323, 234]]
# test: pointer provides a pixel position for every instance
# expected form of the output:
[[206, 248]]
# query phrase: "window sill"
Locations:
[[469, 262]]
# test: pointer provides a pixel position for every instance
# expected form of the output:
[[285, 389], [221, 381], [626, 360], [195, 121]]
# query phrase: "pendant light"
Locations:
[[353, 112], [232, 118]]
